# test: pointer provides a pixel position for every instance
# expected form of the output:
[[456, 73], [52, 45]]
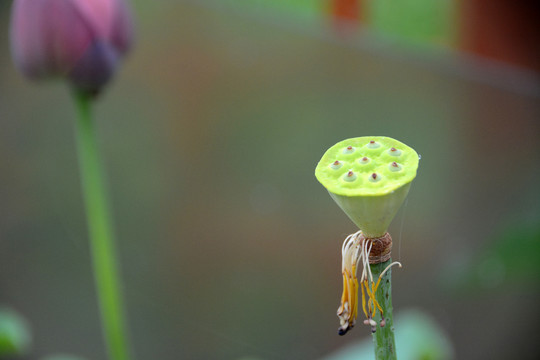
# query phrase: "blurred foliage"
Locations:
[[418, 336], [301, 9], [510, 258], [413, 21], [15, 338], [409, 22], [62, 357]]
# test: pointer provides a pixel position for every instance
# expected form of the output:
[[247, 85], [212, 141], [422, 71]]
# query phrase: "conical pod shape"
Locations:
[[369, 178]]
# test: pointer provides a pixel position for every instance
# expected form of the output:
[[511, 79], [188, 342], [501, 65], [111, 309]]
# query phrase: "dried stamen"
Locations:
[[355, 251]]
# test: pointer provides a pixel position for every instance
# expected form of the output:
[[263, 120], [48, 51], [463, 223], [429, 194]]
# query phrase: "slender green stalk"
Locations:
[[100, 233], [383, 338]]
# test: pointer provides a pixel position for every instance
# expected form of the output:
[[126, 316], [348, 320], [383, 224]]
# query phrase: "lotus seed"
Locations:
[[336, 165], [394, 152], [351, 176], [394, 166], [375, 177], [373, 144], [363, 160], [348, 150]]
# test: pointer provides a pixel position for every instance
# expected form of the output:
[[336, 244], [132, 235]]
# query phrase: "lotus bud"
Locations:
[[372, 180], [81, 40]]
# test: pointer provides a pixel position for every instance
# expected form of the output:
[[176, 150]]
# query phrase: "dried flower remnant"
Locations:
[[356, 250]]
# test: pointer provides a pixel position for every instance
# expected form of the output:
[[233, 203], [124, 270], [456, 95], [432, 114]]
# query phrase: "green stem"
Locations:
[[100, 232], [383, 338]]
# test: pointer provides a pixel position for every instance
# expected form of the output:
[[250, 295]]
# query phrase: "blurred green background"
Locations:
[[229, 247]]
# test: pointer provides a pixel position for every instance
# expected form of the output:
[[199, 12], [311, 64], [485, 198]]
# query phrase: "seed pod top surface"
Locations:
[[367, 166]]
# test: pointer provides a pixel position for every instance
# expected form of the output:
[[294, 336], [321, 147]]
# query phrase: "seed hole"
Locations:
[[394, 166], [375, 177], [364, 160], [373, 144], [350, 176]]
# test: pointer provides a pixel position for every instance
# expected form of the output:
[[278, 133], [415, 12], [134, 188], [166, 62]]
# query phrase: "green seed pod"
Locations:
[[369, 178]]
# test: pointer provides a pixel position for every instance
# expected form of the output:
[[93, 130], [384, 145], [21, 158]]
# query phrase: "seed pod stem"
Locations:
[[101, 234], [383, 338]]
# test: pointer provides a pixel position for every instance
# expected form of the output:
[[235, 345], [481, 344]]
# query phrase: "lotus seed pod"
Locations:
[[372, 181]]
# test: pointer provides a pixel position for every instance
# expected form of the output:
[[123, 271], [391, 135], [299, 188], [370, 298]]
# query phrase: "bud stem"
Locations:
[[100, 232], [383, 338]]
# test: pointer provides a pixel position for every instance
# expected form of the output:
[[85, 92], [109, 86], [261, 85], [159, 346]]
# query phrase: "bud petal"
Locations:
[[47, 37], [94, 69], [111, 20], [122, 31]]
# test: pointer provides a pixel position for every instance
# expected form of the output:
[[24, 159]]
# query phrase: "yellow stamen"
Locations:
[[377, 285], [353, 301], [343, 295], [366, 284], [375, 300], [354, 292], [363, 299], [372, 300], [355, 315]]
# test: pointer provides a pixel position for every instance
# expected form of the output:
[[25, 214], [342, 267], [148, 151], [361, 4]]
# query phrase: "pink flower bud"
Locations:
[[82, 40]]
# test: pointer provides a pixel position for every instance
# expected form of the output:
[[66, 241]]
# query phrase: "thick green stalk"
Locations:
[[100, 233], [383, 338]]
